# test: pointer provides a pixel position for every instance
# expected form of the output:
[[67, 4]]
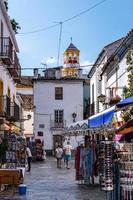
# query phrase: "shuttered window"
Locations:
[[59, 93]]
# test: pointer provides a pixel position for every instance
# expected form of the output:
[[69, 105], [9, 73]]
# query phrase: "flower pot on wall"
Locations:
[[114, 100]]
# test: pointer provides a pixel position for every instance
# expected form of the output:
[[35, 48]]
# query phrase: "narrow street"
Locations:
[[46, 182]]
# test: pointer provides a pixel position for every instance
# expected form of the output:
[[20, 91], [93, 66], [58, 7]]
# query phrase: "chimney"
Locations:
[[58, 74]]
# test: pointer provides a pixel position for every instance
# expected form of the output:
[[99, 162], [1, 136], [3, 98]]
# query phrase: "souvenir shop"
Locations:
[[94, 160], [37, 149], [107, 152], [12, 158], [123, 184]]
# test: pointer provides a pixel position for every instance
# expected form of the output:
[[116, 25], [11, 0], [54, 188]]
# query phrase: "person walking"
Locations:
[[29, 158], [59, 155], [67, 151]]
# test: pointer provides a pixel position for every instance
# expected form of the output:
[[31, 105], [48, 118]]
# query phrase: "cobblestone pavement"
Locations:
[[46, 182]]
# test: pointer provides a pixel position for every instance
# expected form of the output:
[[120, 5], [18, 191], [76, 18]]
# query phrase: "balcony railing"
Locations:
[[5, 106], [15, 69], [16, 65], [6, 50], [15, 112], [58, 125]]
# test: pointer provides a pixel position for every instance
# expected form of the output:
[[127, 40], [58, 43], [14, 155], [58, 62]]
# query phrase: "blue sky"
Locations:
[[91, 31]]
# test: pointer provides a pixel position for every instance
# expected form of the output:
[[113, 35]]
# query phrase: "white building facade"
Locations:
[[25, 91], [51, 114], [10, 72], [109, 74], [58, 100]]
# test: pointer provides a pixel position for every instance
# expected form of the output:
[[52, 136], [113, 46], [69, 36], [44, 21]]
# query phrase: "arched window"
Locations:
[[9, 92]]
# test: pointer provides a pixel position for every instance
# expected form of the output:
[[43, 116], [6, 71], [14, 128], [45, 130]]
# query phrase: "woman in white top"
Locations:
[[59, 155], [29, 158]]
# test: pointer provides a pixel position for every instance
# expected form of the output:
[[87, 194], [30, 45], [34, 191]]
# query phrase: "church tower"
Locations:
[[71, 61]]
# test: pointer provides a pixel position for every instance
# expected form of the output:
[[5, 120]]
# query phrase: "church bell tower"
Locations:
[[71, 61]]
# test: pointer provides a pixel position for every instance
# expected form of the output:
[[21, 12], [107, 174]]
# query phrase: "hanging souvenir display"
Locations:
[[11, 156], [126, 170], [106, 165]]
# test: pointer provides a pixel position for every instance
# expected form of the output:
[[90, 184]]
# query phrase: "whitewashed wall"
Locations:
[[7, 28], [28, 124], [7, 82], [44, 100], [123, 74]]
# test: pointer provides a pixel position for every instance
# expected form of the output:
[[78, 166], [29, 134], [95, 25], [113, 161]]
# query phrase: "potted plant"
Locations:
[[115, 100]]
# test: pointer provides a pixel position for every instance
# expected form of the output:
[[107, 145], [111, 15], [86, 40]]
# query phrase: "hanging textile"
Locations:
[[85, 162], [79, 175]]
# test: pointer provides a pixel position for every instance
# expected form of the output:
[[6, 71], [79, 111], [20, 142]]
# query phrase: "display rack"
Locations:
[[11, 155], [16, 152], [21, 151], [106, 165], [126, 170]]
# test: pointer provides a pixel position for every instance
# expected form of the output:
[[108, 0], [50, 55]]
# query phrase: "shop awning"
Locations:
[[78, 125], [101, 118], [125, 102]]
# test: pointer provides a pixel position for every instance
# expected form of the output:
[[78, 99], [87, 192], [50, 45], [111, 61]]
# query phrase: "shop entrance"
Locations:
[[57, 139]]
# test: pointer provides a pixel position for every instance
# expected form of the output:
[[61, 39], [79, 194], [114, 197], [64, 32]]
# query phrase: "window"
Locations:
[[9, 92], [58, 116], [2, 29], [92, 92], [58, 93], [41, 125]]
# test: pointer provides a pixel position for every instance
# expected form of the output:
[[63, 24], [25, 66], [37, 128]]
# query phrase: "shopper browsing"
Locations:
[[59, 155], [67, 151], [29, 158]]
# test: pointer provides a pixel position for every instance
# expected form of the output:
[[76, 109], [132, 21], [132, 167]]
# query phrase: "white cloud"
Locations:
[[49, 61], [87, 65]]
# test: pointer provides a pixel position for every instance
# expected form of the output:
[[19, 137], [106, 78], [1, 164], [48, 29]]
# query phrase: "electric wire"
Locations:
[[60, 36], [61, 25], [80, 66], [71, 18], [83, 12], [39, 30]]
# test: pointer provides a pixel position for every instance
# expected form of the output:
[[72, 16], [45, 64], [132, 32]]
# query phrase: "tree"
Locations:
[[128, 91], [15, 25]]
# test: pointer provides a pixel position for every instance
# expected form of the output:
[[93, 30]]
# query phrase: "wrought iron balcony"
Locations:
[[15, 68], [5, 106], [58, 125], [15, 112], [6, 50]]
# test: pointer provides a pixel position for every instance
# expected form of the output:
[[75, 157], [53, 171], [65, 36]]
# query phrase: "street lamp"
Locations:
[[74, 115], [28, 118]]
